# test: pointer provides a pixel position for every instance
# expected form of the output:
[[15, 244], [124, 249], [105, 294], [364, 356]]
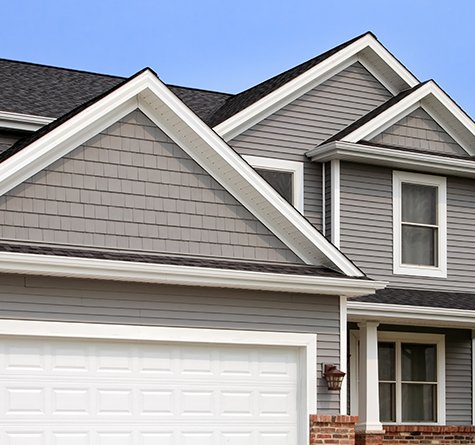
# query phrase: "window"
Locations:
[[411, 374], [419, 212], [285, 176]]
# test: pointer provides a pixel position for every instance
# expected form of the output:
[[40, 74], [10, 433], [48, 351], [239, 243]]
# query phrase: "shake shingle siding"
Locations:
[[309, 120], [366, 228], [57, 299], [419, 131], [132, 188]]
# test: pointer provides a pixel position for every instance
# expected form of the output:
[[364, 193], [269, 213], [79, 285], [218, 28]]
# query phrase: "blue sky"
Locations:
[[231, 45]]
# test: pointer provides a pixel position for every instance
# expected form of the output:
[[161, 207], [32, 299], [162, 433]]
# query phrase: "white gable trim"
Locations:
[[436, 103], [367, 49], [24, 122], [89, 268], [149, 94]]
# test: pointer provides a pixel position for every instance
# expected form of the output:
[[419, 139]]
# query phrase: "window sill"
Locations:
[[420, 271]]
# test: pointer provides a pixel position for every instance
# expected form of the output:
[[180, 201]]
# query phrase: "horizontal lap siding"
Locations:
[[37, 298], [458, 371], [308, 121], [366, 228], [418, 130], [131, 187]]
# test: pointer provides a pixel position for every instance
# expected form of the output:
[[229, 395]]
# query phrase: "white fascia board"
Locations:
[[201, 143], [422, 97], [89, 268], [293, 89], [392, 157], [412, 315], [24, 122]]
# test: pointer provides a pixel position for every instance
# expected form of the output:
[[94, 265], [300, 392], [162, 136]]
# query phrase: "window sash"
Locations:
[[399, 383]]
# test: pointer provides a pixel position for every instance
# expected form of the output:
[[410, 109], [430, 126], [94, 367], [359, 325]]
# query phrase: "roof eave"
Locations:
[[89, 268], [410, 315], [392, 157]]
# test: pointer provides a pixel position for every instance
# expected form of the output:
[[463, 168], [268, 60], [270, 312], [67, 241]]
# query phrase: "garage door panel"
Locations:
[[99, 392]]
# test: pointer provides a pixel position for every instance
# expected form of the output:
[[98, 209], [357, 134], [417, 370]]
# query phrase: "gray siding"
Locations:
[[43, 298], [418, 130], [366, 228], [311, 119], [132, 188], [458, 371]]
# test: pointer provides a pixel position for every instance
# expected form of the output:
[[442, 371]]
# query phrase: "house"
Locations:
[[179, 265]]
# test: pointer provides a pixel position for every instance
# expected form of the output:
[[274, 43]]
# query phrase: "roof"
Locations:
[[412, 297], [42, 90], [289, 269], [372, 114], [242, 100]]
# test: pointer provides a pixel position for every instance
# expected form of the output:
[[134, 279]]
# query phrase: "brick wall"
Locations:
[[335, 430], [428, 435]]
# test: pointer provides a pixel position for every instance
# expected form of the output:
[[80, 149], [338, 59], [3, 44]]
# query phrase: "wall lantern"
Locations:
[[333, 376]]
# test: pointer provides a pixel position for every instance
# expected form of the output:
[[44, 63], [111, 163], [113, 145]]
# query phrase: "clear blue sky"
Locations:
[[231, 45]]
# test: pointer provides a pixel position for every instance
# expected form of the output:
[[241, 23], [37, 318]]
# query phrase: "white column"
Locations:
[[335, 202], [368, 388]]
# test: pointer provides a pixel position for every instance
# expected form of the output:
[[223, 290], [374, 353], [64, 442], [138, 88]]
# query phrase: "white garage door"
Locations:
[[79, 392]]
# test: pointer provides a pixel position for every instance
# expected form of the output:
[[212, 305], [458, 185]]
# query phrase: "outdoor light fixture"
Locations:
[[333, 376]]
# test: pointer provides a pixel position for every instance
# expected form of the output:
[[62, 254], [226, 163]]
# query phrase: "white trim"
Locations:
[[182, 275], [307, 344], [411, 315], [335, 203], [439, 271], [433, 100], [146, 92], [324, 200], [367, 44], [24, 122], [413, 337], [392, 157], [368, 402], [343, 356], [473, 377], [294, 167]]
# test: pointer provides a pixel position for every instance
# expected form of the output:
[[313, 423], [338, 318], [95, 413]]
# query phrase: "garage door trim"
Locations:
[[306, 344]]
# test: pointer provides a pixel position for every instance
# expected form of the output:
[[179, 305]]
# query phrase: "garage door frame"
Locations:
[[306, 344]]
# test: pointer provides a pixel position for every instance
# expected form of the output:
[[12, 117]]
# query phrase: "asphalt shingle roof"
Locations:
[[412, 297], [41, 90], [240, 101], [291, 269]]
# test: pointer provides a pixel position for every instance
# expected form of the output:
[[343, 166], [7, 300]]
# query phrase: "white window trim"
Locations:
[[402, 337], [435, 181], [294, 167], [307, 344]]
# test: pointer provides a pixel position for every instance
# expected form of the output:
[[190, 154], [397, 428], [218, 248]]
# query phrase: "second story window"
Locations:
[[419, 224], [286, 177]]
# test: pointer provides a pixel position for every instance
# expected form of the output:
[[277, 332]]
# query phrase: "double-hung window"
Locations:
[[419, 211], [411, 376]]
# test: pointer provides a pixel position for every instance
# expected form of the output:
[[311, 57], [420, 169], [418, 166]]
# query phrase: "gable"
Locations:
[[419, 131], [315, 116], [298, 127], [132, 187]]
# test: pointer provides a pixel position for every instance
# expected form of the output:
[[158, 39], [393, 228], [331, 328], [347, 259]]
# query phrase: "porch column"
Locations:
[[368, 386]]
